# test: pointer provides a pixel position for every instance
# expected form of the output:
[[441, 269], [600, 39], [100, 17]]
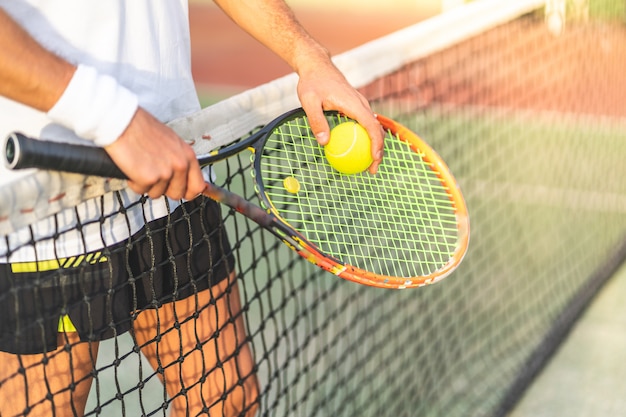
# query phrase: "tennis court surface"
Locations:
[[532, 122]]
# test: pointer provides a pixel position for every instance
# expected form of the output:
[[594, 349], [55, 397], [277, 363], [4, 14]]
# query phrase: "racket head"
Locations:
[[407, 226]]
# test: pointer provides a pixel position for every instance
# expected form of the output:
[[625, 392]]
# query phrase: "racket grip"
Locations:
[[22, 152]]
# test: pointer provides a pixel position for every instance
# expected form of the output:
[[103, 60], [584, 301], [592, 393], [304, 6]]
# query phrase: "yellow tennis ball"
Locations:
[[291, 184], [349, 149]]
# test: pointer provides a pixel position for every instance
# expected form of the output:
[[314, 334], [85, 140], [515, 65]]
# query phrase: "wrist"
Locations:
[[308, 58], [94, 106]]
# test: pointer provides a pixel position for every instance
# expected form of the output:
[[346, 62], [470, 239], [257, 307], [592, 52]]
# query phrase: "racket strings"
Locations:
[[400, 222]]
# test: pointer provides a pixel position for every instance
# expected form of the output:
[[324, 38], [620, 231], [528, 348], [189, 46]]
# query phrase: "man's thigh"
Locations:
[[200, 350], [54, 383]]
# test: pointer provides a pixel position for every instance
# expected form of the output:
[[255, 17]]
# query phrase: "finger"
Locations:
[[377, 136], [187, 180], [373, 169], [368, 120], [137, 187], [318, 123], [158, 189], [177, 186], [154, 178], [195, 181]]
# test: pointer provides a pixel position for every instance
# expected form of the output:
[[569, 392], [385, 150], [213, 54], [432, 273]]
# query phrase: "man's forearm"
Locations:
[[29, 73], [274, 24]]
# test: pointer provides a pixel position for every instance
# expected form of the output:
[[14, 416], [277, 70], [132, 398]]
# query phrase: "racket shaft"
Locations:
[[288, 236], [240, 204]]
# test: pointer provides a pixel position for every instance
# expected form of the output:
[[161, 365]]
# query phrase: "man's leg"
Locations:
[[207, 365], [52, 384]]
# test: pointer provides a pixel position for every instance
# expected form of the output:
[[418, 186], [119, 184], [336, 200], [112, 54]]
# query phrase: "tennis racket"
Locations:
[[406, 226]]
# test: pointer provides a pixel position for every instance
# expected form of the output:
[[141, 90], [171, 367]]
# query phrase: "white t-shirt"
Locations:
[[145, 46]]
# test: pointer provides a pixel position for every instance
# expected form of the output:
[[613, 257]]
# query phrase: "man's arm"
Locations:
[[321, 85], [34, 76], [28, 73]]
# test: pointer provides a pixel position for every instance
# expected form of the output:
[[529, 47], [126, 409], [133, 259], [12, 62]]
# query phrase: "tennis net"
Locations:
[[526, 102]]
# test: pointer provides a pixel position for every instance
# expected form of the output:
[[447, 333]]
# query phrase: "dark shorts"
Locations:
[[169, 259]]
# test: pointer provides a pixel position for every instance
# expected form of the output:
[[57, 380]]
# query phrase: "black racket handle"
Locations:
[[23, 152]]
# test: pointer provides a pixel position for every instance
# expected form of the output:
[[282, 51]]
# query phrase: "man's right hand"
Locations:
[[156, 160]]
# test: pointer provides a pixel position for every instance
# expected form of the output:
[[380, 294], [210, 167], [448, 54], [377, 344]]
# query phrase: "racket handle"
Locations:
[[22, 152]]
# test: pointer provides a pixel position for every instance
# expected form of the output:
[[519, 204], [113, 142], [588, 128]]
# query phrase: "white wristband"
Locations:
[[95, 106]]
